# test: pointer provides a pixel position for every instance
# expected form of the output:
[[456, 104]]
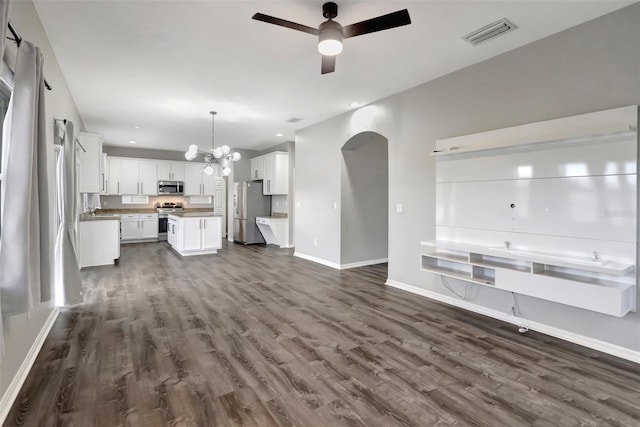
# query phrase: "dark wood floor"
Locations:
[[254, 336]]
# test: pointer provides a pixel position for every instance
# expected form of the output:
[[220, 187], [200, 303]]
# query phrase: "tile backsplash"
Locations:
[[115, 202]]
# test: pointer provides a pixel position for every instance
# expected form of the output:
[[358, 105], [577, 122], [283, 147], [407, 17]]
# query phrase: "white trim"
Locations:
[[582, 340], [340, 266], [363, 263], [18, 380], [317, 260]]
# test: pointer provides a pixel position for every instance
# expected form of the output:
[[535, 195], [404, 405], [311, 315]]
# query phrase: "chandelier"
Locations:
[[221, 155]]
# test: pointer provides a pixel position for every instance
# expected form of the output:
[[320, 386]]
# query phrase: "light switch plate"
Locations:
[[399, 208]]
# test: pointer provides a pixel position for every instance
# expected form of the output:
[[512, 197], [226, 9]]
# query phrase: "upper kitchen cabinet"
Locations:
[[114, 183], [257, 168], [90, 173], [275, 180], [170, 171], [197, 183], [137, 177], [273, 170], [104, 171]]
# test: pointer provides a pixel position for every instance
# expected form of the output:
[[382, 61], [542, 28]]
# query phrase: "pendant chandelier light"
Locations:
[[222, 155]]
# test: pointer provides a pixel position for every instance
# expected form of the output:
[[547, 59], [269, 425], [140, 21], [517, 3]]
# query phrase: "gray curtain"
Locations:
[[25, 254], [68, 288], [4, 21]]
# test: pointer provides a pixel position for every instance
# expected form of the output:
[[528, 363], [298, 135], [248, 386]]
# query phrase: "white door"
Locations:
[[211, 233], [130, 174], [149, 228], [129, 229], [115, 176], [164, 170], [177, 171], [191, 232], [193, 179], [148, 178]]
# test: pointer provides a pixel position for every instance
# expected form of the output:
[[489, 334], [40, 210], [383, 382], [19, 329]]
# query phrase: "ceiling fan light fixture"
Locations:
[[330, 47], [330, 38]]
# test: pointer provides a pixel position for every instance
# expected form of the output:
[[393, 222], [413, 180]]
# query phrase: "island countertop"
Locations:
[[195, 214]]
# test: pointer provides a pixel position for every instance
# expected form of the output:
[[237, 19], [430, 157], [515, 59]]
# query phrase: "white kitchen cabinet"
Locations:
[[139, 177], [257, 168], [148, 177], [114, 183], [98, 242], [90, 178], [191, 230], [172, 232], [129, 178], [276, 174], [104, 171], [138, 227], [195, 235], [197, 183], [273, 170], [170, 171]]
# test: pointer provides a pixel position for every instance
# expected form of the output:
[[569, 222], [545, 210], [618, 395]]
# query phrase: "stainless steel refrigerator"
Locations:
[[248, 203]]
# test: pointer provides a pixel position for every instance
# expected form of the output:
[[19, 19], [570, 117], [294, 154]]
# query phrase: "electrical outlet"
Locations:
[[399, 208], [298, 205], [335, 206], [315, 242]]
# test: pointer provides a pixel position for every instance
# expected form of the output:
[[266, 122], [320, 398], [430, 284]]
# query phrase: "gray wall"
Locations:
[[591, 67], [364, 199], [20, 331]]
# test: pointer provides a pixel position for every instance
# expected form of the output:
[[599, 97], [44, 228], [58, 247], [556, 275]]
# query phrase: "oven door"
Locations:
[[162, 227]]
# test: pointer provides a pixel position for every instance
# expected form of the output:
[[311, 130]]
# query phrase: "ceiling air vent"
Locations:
[[490, 31], [294, 120]]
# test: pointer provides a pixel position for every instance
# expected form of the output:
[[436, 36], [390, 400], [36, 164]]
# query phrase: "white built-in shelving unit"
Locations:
[[546, 209]]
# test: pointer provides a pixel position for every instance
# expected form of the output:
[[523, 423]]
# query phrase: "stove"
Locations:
[[164, 209]]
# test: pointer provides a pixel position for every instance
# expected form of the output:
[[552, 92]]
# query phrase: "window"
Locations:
[[5, 96]]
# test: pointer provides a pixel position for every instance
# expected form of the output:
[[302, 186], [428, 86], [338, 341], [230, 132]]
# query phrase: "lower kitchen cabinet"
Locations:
[[195, 235], [138, 227], [98, 242]]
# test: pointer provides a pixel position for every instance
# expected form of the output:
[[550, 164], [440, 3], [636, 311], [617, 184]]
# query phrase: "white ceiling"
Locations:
[[163, 65]]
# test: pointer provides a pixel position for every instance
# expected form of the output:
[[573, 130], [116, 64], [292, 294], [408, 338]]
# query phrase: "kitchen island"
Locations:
[[194, 233]]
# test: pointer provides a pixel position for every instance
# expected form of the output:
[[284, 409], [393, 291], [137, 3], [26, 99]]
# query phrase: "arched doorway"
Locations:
[[364, 214]]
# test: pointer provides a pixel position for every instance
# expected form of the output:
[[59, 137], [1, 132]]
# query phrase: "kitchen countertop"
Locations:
[[99, 217], [143, 210], [204, 214]]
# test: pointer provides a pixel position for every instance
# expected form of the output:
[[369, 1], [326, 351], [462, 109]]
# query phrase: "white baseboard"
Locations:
[[18, 380], [363, 263], [603, 346], [317, 260], [340, 266]]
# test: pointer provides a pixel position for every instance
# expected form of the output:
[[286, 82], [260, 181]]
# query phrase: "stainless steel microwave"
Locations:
[[174, 188]]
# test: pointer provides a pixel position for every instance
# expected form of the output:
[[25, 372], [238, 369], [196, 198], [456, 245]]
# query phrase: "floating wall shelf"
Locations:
[[608, 287]]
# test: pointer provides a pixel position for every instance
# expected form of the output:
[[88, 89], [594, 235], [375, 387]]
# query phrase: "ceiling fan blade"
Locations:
[[284, 23], [384, 22], [328, 64]]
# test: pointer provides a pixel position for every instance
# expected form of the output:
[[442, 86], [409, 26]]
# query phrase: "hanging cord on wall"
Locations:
[[447, 285], [515, 312]]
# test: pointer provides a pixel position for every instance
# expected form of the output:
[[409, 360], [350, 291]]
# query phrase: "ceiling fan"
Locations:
[[330, 33]]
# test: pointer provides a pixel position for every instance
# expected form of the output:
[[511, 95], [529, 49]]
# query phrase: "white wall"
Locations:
[[20, 331], [592, 67]]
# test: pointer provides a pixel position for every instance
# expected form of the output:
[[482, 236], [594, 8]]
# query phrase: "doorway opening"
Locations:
[[364, 213]]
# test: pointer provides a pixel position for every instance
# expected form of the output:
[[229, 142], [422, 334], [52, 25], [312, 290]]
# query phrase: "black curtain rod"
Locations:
[[16, 38]]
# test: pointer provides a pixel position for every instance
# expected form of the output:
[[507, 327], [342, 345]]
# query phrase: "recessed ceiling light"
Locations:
[[136, 127], [356, 104], [132, 142], [278, 134]]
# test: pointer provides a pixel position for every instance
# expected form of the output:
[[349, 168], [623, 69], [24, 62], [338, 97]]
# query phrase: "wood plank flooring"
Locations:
[[255, 337]]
